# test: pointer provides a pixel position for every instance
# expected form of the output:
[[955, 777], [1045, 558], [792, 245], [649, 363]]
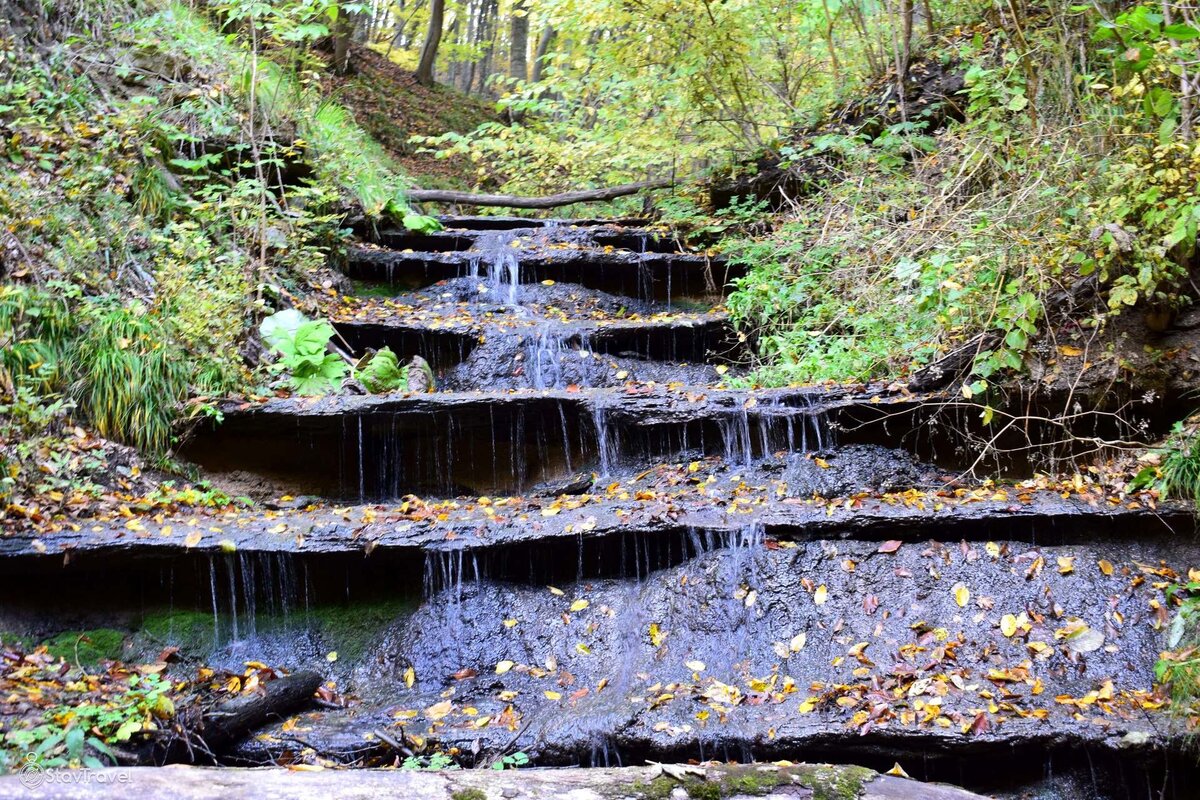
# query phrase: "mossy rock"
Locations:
[[352, 629], [348, 629], [190, 631], [827, 782], [87, 647]]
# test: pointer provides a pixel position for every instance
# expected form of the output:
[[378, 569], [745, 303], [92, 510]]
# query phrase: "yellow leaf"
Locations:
[[550, 511], [1106, 566], [808, 705], [331, 657], [1008, 625], [410, 677], [694, 466], [193, 539], [1066, 564], [898, 771], [583, 648], [657, 635], [547, 282], [1068, 350], [438, 710], [579, 605], [992, 549], [721, 369], [552, 695], [821, 595], [622, 374], [510, 623], [695, 666], [504, 666], [798, 642], [962, 595], [554, 590]]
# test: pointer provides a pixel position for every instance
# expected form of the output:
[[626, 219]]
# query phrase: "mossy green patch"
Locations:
[[87, 647], [191, 631], [827, 782], [469, 794], [351, 629]]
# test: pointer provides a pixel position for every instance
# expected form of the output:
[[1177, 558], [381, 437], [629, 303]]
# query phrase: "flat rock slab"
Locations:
[[825, 647], [467, 524], [634, 783]]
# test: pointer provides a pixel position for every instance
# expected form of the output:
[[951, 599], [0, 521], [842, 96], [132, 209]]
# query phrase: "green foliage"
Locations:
[[1181, 466], [131, 377], [81, 734], [302, 346], [431, 762], [511, 761], [383, 373], [1179, 664]]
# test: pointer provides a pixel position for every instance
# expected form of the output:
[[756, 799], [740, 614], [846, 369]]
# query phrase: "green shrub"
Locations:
[[383, 373], [131, 378], [304, 355]]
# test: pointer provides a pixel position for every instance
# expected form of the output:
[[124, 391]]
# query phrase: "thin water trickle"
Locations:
[[604, 445]]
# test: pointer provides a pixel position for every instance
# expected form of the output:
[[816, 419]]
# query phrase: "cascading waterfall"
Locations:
[[251, 580], [503, 268]]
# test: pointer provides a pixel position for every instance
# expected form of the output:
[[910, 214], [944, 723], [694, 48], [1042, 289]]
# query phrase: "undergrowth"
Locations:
[[164, 187], [917, 240]]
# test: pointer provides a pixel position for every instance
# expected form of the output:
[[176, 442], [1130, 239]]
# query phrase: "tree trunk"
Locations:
[[543, 47], [518, 58], [343, 32], [437, 10]]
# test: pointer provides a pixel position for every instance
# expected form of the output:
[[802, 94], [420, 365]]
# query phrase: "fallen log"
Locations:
[[232, 721], [203, 737], [662, 780], [548, 201]]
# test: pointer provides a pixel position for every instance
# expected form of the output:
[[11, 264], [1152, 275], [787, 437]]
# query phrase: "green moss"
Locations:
[[469, 794], [348, 629], [87, 647], [827, 782], [351, 629], [190, 631], [658, 789], [833, 782]]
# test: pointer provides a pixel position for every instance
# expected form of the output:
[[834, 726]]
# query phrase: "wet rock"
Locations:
[[579, 484], [630, 783], [856, 468]]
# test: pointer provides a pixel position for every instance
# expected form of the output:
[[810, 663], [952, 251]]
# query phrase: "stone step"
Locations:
[[505, 442], [630, 783], [665, 513], [658, 277], [912, 648], [636, 239], [504, 350], [485, 223]]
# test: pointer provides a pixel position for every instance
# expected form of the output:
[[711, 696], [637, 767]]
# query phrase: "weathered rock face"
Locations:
[[587, 548], [821, 781]]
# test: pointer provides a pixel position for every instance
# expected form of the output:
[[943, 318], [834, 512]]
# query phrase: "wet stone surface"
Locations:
[[587, 547], [784, 648]]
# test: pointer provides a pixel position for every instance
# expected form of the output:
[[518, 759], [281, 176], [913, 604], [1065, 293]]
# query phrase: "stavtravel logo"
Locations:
[[33, 775], [31, 772]]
